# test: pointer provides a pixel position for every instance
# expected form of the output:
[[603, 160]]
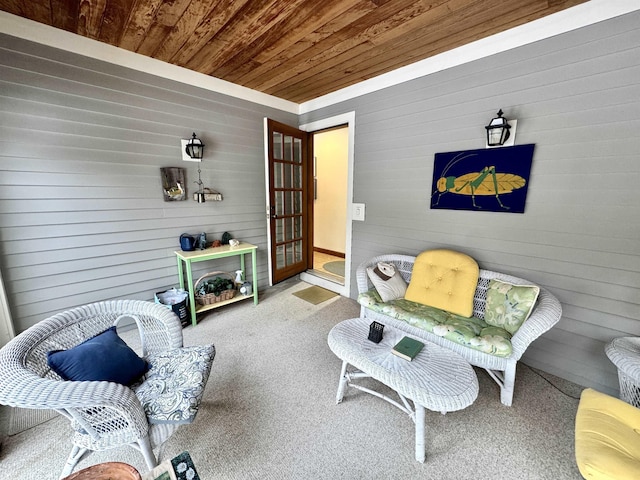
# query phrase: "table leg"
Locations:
[[420, 444], [180, 274], [343, 382], [192, 297], [254, 272]]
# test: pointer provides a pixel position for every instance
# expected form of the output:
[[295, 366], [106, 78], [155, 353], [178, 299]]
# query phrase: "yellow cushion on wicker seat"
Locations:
[[444, 279], [607, 437]]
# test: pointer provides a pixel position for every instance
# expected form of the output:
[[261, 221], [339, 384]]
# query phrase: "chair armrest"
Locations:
[[624, 353], [27, 390], [159, 327], [545, 315]]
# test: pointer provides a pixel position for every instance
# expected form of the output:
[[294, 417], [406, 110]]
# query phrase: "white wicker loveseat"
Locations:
[[106, 414], [545, 315]]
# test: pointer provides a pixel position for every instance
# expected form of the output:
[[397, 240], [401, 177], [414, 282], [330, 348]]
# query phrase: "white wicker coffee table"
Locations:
[[437, 378]]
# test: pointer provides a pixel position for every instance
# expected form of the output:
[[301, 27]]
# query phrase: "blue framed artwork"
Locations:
[[493, 179]]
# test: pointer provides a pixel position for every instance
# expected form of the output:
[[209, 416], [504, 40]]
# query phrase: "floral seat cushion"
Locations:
[[173, 387], [471, 332]]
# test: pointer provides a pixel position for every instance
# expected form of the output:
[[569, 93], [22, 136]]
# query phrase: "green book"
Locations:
[[407, 348]]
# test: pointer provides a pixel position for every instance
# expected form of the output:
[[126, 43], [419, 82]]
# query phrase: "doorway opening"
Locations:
[[289, 174], [340, 228], [330, 175]]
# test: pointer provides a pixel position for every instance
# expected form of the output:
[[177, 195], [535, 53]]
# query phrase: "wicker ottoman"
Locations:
[[437, 379]]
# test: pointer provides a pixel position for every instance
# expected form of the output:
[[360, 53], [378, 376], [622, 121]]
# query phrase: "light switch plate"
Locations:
[[358, 211]]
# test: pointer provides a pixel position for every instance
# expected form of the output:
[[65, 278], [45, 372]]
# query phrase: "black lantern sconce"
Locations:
[[195, 148], [498, 131], [193, 152]]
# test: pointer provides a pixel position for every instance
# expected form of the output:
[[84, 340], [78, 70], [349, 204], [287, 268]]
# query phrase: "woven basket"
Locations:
[[210, 298]]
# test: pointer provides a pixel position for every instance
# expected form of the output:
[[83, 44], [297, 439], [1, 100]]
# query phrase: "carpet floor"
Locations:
[[269, 412]]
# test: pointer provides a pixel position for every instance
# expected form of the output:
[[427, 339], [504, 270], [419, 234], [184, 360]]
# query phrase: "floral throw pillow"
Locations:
[[508, 305]]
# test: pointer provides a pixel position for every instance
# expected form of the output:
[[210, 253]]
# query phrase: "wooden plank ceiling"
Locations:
[[294, 49]]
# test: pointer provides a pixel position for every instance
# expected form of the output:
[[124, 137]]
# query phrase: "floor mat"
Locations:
[[315, 294], [337, 268]]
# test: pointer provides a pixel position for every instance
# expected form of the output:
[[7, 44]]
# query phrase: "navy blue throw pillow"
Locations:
[[105, 357]]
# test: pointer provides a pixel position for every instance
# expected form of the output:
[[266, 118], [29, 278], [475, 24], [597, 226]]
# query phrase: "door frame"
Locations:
[[347, 119]]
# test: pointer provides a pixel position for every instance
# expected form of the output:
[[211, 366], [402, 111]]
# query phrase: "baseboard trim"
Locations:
[[328, 252]]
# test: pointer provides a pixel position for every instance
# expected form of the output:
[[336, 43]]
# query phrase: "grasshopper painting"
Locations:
[[486, 182], [482, 173]]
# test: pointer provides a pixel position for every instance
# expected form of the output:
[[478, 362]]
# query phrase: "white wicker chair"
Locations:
[[624, 353], [501, 369], [103, 415]]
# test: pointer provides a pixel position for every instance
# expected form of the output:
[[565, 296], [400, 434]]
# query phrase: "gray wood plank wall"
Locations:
[[577, 97], [81, 207]]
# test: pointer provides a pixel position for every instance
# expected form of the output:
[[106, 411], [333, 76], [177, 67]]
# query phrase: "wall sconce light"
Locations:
[[193, 151], [498, 131], [194, 148]]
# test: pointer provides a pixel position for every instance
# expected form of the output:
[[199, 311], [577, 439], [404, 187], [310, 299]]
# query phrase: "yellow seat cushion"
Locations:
[[607, 437], [444, 279]]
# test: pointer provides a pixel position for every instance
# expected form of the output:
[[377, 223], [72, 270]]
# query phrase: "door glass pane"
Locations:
[[287, 174], [277, 145], [297, 150], [288, 203], [280, 258], [279, 203], [288, 147], [297, 249], [297, 226], [297, 202], [297, 176], [277, 174], [279, 230], [288, 235]]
